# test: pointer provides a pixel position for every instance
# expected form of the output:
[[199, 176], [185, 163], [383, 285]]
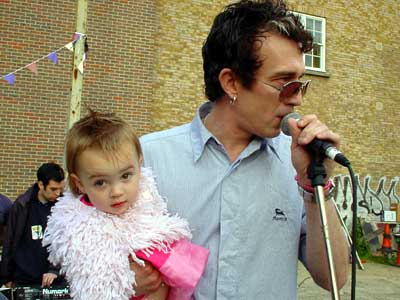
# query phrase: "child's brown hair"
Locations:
[[102, 131]]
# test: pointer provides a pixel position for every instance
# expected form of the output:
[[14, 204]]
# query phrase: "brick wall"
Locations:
[[179, 71], [145, 64], [360, 100], [33, 112]]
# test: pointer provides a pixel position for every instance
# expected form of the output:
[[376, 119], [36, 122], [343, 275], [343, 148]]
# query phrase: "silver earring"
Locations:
[[232, 100]]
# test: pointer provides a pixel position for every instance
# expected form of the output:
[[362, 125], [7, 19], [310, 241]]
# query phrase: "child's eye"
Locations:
[[127, 175], [99, 183]]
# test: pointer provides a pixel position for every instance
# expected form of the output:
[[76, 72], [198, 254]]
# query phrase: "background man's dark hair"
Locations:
[[50, 171], [235, 38]]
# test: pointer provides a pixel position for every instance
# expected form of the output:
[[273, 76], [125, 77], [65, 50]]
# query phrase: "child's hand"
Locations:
[[160, 294], [148, 279]]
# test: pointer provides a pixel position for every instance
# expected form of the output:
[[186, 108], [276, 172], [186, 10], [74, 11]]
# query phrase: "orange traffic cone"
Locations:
[[387, 240]]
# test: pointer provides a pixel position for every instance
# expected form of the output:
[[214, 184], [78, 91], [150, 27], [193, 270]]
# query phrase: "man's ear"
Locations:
[[227, 79], [75, 179], [40, 185]]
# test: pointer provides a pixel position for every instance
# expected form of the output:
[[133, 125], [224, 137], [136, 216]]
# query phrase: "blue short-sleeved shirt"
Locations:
[[248, 213]]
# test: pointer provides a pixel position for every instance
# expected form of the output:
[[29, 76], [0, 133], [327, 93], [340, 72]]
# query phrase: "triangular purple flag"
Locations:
[[76, 37], [53, 57], [10, 78]]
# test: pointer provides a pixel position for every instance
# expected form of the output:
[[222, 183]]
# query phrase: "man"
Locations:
[[24, 260], [5, 205], [231, 172]]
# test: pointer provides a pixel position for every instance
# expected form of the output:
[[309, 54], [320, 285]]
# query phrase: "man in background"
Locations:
[[24, 260], [5, 205]]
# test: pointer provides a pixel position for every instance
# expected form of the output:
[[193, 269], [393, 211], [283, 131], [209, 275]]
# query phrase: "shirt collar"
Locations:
[[200, 135], [198, 132]]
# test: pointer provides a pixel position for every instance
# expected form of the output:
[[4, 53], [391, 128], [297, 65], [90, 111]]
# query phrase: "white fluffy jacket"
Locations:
[[92, 247]]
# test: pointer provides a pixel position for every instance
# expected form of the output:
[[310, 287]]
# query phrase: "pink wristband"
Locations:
[[310, 188]]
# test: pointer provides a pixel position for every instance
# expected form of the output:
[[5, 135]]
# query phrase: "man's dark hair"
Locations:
[[50, 171], [232, 41]]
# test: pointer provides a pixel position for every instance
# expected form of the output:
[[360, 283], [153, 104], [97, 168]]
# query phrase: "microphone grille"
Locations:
[[284, 123]]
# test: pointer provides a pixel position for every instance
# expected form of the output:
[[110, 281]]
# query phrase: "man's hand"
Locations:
[[148, 279], [303, 132], [48, 278]]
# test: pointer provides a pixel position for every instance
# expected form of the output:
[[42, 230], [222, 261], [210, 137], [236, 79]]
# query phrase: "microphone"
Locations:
[[317, 145]]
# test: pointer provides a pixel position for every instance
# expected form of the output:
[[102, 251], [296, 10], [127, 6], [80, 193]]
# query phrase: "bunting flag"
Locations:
[[76, 37], [81, 66], [10, 78], [33, 68], [53, 56], [70, 46]]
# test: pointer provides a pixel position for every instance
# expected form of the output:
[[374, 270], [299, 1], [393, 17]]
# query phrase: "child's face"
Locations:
[[110, 182]]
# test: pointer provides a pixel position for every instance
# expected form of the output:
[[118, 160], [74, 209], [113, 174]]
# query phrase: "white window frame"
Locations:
[[321, 44]]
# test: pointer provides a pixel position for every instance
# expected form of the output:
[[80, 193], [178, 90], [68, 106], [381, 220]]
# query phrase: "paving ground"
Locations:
[[376, 282]]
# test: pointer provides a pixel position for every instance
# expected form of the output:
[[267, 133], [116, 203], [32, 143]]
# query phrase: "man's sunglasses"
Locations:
[[291, 88]]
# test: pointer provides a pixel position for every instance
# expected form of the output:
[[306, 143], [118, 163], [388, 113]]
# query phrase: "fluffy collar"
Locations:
[[92, 247]]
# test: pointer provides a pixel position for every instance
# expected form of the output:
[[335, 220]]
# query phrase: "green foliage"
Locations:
[[364, 251], [385, 260], [362, 245]]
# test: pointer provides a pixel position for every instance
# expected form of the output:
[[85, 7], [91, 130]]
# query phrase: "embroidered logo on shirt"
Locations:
[[279, 215], [37, 232]]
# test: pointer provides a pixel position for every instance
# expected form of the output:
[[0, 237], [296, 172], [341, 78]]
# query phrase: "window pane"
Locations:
[[309, 24], [318, 37], [316, 62], [315, 59], [318, 25], [308, 61], [316, 50]]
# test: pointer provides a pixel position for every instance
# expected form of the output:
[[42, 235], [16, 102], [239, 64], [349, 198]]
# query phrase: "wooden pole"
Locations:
[[77, 75]]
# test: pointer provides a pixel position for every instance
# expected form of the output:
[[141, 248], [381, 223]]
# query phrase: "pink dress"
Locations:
[[181, 268]]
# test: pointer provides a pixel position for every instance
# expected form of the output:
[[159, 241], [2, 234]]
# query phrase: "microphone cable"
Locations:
[[354, 232]]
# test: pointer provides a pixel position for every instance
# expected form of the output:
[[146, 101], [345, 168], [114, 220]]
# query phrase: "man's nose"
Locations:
[[295, 99]]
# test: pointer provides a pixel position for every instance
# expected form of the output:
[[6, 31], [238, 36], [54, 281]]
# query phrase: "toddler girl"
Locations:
[[114, 211]]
